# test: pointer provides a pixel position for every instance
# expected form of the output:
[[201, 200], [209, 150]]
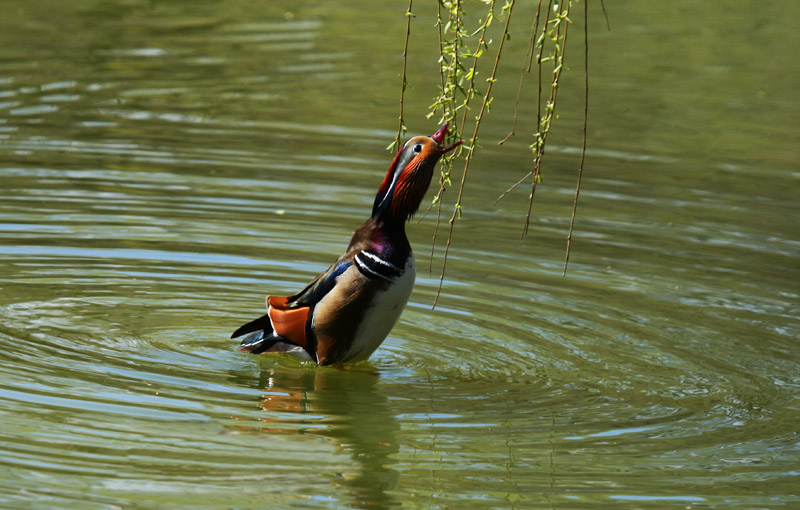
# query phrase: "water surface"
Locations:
[[164, 166]]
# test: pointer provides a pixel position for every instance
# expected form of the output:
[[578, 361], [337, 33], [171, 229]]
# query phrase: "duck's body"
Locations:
[[345, 313]]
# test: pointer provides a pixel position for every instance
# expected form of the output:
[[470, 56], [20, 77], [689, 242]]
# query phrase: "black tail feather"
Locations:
[[262, 323], [257, 342], [256, 335]]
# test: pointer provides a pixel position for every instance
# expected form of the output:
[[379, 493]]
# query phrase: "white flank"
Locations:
[[294, 350], [384, 311]]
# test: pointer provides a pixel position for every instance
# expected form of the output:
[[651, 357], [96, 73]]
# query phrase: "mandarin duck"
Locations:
[[346, 312]]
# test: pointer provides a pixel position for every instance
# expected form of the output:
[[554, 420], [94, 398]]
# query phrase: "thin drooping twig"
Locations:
[[585, 123], [452, 68], [506, 192], [471, 149], [605, 13], [401, 129], [525, 64], [544, 128], [474, 70], [539, 134], [540, 45], [438, 199], [441, 40]]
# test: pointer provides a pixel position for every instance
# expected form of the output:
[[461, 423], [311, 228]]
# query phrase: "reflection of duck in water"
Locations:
[[347, 311], [345, 408]]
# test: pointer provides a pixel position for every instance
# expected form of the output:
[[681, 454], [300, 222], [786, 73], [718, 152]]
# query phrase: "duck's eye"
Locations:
[[417, 148]]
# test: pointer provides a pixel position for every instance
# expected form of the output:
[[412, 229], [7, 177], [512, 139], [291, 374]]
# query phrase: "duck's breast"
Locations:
[[352, 321]]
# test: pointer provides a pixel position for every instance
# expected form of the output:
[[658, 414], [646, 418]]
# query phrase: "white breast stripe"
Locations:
[[380, 260], [363, 266]]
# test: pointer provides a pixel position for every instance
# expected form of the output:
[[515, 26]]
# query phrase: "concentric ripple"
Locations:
[[170, 166]]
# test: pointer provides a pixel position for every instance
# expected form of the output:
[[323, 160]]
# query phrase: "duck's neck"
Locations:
[[385, 237], [399, 199]]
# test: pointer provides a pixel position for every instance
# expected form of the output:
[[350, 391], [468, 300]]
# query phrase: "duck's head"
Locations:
[[409, 176]]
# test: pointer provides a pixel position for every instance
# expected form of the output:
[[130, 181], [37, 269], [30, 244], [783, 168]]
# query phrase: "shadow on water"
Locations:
[[343, 406]]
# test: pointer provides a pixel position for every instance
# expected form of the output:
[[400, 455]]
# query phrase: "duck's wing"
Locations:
[[287, 323]]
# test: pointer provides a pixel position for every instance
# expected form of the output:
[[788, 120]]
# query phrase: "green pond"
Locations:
[[166, 165]]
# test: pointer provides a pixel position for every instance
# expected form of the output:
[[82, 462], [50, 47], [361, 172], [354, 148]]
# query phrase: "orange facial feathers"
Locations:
[[412, 183]]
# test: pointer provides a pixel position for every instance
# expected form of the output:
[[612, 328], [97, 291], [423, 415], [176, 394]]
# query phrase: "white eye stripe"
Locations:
[[404, 160]]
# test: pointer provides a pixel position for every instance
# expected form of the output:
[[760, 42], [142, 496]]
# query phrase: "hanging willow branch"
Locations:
[[459, 84], [473, 141], [450, 71], [447, 100], [526, 67], [559, 49], [401, 129], [585, 123]]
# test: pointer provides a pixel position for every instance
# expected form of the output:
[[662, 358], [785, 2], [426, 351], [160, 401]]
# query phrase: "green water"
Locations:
[[165, 165]]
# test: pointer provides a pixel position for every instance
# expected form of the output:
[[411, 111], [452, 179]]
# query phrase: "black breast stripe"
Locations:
[[373, 266]]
